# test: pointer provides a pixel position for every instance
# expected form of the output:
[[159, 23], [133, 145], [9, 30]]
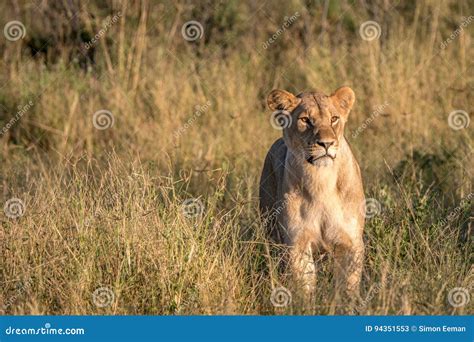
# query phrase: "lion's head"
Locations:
[[315, 122]]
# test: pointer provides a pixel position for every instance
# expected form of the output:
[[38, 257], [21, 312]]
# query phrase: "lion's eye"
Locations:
[[334, 119], [305, 120]]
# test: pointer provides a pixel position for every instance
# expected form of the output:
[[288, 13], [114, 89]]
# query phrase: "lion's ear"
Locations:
[[282, 100], [343, 98]]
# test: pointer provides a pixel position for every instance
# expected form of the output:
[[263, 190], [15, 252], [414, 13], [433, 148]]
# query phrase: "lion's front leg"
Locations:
[[302, 266], [349, 259]]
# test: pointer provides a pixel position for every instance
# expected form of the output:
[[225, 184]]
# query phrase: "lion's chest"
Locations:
[[323, 219]]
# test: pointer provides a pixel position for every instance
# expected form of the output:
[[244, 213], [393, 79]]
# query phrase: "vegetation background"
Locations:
[[108, 209]]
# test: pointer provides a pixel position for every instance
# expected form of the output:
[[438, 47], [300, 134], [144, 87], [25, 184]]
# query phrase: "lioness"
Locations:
[[312, 188]]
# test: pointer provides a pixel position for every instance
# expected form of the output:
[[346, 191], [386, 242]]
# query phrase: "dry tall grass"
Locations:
[[104, 208]]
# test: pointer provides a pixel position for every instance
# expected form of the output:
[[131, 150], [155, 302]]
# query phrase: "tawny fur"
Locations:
[[311, 192]]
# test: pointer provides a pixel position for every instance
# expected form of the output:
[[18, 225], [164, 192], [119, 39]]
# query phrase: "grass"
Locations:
[[104, 208]]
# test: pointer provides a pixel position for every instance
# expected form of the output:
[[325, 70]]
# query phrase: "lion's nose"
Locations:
[[326, 144]]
